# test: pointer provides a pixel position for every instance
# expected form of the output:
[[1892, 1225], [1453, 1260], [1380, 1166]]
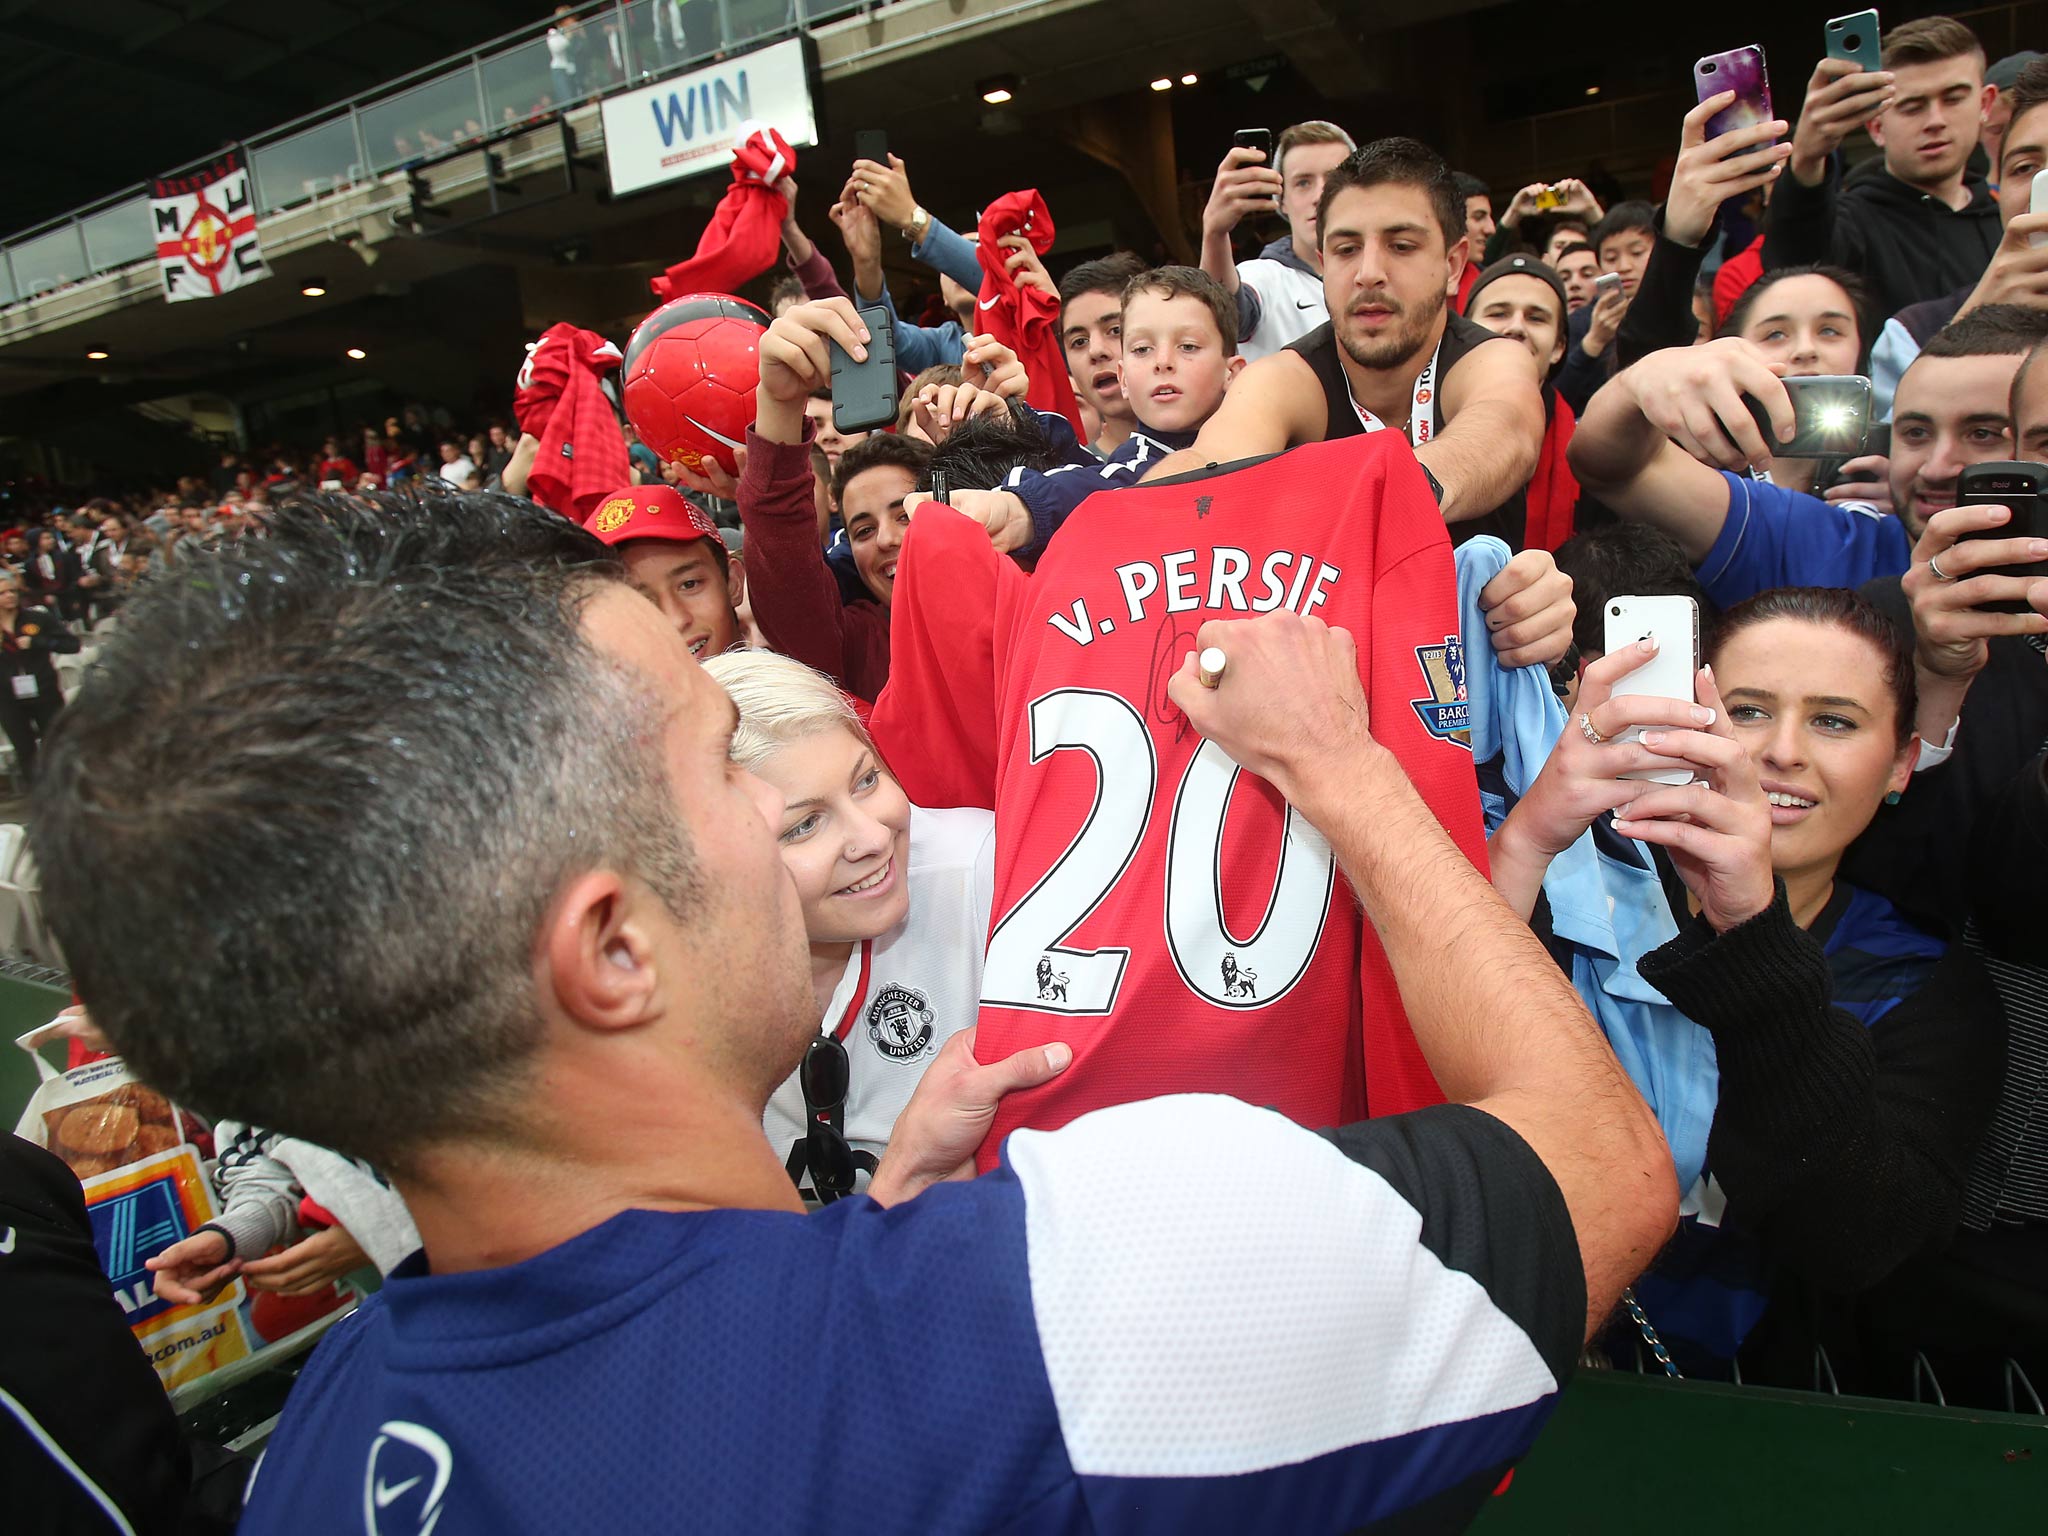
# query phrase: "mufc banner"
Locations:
[[205, 227]]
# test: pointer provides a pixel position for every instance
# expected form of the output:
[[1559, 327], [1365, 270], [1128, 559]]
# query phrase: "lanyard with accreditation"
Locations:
[[1421, 415]]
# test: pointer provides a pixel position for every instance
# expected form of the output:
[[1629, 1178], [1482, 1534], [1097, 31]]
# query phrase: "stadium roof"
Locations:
[[96, 96]]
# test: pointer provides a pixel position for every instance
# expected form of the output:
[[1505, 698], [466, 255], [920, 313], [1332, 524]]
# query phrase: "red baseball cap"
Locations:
[[651, 512]]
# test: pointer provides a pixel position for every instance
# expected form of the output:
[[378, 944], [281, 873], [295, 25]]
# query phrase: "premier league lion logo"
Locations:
[[1237, 982], [1052, 985]]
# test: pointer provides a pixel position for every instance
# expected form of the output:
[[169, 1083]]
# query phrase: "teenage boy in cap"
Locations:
[[676, 560], [1523, 297]]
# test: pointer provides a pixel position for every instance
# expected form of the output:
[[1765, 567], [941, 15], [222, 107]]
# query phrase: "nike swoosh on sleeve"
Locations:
[[385, 1494]]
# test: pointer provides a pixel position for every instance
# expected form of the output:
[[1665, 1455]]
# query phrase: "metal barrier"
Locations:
[[513, 81]]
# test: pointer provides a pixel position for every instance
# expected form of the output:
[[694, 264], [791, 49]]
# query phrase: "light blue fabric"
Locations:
[[953, 254], [1610, 912], [1889, 360], [919, 347]]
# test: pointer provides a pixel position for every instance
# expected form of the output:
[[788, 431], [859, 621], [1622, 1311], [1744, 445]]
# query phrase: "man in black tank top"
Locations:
[[1394, 356]]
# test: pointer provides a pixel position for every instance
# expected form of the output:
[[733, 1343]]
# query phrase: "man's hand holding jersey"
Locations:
[[949, 1114]]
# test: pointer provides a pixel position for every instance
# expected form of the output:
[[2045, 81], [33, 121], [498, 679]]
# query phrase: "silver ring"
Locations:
[[1586, 730], [1934, 565]]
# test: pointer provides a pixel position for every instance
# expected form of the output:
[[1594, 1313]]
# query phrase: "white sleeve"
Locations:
[[1221, 1294]]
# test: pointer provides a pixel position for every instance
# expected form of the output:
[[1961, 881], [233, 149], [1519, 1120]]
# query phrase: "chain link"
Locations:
[[1642, 1321]]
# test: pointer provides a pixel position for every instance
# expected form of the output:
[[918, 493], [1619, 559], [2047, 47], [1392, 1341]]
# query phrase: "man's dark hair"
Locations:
[[1173, 282], [1574, 250], [1470, 186], [1106, 274], [2028, 91], [1839, 608], [980, 453], [875, 450], [790, 287], [298, 837], [1868, 323], [1620, 219], [2019, 383], [1990, 330], [1929, 40], [1402, 162], [1623, 560]]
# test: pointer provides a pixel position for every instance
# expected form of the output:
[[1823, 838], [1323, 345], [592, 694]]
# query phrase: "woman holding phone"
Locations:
[[1812, 322], [1858, 1061]]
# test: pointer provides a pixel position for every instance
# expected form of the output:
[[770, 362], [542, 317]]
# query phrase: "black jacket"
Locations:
[[1907, 246], [23, 652]]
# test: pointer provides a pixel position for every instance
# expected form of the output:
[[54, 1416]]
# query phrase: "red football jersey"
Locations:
[[1157, 908]]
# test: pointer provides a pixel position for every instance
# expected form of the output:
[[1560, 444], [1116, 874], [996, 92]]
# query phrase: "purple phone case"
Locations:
[[1742, 71]]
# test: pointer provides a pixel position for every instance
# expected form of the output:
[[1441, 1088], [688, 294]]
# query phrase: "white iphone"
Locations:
[[1675, 621], [2037, 202]]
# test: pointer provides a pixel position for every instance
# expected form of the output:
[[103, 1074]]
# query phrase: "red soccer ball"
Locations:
[[690, 374]]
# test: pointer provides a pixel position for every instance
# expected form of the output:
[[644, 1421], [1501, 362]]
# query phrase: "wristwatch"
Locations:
[[1436, 486], [920, 221]]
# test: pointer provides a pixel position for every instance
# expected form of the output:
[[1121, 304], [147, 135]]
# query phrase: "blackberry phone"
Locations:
[[2020, 485]]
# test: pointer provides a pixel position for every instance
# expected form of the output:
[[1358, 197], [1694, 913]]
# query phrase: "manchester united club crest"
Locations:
[[900, 1022], [613, 514]]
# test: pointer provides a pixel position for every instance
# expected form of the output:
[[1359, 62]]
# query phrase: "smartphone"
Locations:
[[2037, 202], [939, 487], [1832, 416], [1260, 139], [864, 394], [1675, 621], [1549, 198], [1742, 71], [1855, 38], [2020, 486], [871, 144], [1604, 284]]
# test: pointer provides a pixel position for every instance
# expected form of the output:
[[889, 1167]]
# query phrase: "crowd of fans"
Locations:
[[1801, 905]]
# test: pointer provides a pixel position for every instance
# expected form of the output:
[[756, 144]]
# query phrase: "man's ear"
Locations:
[[1454, 264], [1232, 368], [736, 579], [597, 953]]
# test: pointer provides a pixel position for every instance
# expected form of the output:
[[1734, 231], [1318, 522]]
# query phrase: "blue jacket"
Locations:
[[1053, 494], [1607, 905], [953, 254]]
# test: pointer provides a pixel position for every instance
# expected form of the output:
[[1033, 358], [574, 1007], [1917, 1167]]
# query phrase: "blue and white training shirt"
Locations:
[[1181, 1315]]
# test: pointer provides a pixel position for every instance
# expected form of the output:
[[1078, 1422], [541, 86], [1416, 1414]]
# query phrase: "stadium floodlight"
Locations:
[[998, 89]]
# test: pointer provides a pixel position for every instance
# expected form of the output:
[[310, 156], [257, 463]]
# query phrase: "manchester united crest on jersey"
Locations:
[[900, 1022], [1447, 711]]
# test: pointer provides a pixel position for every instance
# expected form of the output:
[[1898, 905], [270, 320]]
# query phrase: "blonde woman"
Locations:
[[895, 900]]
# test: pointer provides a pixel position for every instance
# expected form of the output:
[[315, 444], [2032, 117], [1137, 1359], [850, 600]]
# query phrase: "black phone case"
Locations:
[[2017, 484], [871, 144], [864, 394]]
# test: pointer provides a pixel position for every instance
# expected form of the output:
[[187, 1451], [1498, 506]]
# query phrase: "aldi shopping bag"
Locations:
[[145, 1189]]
